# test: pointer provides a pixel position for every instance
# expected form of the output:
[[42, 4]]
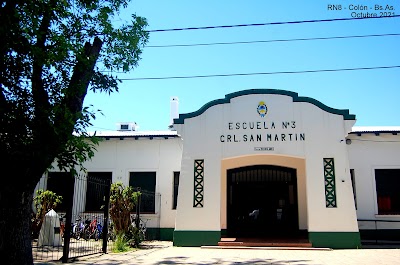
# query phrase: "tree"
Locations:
[[52, 52], [122, 202], [44, 201]]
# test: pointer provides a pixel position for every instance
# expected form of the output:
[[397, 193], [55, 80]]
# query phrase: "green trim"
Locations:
[[224, 232], [196, 238], [198, 191], [336, 240], [330, 183], [166, 234], [344, 112], [152, 233]]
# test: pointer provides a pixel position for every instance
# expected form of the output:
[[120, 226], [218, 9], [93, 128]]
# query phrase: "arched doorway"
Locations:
[[262, 201]]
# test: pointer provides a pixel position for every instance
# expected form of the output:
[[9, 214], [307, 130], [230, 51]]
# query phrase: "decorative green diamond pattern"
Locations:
[[198, 183], [330, 184]]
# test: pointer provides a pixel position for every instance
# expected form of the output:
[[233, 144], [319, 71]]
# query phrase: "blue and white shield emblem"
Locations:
[[262, 109]]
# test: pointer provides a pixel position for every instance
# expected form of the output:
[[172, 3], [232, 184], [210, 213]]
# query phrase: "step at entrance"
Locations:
[[264, 242]]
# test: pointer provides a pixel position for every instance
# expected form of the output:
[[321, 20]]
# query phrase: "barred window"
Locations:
[[387, 191], [175, 192], [146, 181]]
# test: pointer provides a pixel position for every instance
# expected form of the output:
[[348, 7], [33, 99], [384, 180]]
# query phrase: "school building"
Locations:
[[260, 163]]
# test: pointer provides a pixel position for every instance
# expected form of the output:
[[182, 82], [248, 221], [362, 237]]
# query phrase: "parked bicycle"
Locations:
[[77, 228], [111, 233], [142, 226], [62, 225], [91, 230]]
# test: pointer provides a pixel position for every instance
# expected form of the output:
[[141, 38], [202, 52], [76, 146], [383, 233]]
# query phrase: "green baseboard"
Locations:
[[196, 238], [152, 233], [224, 232], [163, 234], [336, 240], [166, 234]]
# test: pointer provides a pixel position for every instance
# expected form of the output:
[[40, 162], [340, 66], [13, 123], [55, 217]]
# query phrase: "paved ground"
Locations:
[[163, 253]]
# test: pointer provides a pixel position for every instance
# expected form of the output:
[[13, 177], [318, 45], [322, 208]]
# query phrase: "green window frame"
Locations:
[[330, 183], [198, 200]]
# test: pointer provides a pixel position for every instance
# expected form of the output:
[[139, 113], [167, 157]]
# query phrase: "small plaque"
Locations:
[[263, 149]]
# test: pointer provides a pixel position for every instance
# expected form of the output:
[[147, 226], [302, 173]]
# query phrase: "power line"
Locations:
[[261, 73], [276, 40], [268, 24]]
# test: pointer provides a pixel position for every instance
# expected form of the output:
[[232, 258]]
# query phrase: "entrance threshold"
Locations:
[[265, 242]]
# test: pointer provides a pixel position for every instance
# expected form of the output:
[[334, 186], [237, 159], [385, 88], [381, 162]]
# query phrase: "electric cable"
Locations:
[[269, 24], [276, 40], [262, 73]]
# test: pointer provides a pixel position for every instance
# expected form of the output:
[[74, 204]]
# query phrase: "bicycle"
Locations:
[[62, 225], [142, 226], [91, 229], [111, 234], [77, 228]]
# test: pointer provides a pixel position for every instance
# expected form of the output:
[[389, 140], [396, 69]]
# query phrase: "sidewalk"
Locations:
[[159, 253]]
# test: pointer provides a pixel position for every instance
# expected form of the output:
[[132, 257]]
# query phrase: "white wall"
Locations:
[[159, 155], [323, 131], [367, 153]]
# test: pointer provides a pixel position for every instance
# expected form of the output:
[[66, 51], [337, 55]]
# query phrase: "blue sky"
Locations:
[[372, 95]]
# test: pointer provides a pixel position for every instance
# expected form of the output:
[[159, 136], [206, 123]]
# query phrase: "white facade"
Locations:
[[161, 154], [265, 129], [373, 148]]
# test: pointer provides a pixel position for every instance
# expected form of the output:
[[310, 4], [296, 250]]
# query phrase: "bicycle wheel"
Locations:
[[96, 234], [86, 234]]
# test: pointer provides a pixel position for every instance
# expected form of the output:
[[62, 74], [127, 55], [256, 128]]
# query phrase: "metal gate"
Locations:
[[80, 223], [262, 201]]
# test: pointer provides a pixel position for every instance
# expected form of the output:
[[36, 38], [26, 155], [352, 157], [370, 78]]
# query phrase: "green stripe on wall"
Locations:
[[224, 232], [167, 234], [196, 238], [336, 240]]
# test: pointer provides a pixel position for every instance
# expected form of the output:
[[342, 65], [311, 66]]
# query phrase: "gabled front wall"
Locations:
[[294, 127]]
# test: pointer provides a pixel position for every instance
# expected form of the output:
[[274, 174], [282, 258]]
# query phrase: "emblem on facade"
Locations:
[[262, 109]]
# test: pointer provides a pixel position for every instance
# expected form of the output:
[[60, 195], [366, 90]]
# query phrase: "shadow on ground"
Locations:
[[186, 260]]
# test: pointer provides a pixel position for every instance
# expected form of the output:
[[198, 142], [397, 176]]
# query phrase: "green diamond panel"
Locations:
[[330, 183], [198, 183]]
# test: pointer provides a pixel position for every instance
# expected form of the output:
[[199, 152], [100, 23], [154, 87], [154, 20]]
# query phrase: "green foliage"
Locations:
[[44, 201], [134, 236], [121, 244], [52, 52], [122, 202]]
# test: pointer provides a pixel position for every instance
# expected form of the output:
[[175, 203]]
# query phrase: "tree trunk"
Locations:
[[15, 234]]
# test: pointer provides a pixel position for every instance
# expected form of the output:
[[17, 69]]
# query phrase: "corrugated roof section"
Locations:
[[375, 129], [135, 133]]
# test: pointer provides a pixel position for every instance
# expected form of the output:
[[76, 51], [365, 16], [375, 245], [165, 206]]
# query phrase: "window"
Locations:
[[176, 186], [387, 190], [96, 188], [146, 181], [353, 183], [57, 183], [124, 126]]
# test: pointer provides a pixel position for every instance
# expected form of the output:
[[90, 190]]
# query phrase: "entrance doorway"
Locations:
[[262, 202]]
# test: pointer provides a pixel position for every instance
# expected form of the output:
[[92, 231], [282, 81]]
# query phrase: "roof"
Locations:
[[133, 134], [375, 129]]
